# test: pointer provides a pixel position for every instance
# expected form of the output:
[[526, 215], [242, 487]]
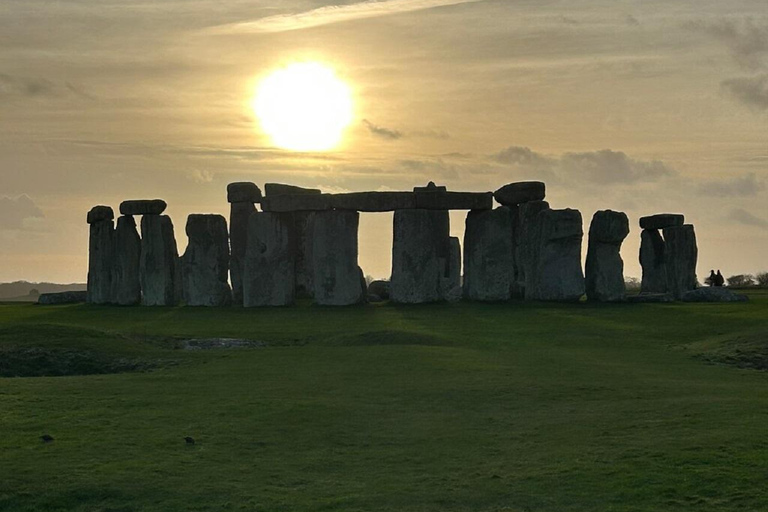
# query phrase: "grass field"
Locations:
[[452, 407]]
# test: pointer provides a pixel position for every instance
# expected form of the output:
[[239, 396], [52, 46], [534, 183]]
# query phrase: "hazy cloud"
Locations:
[[14, 211], [752, 91], [746, 39], [31, 87], [384, 133], [631, 21], [741, 216], [743, 186]]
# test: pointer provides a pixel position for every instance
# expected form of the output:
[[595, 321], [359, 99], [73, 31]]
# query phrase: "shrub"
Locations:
[[762, 279], [741, 280]]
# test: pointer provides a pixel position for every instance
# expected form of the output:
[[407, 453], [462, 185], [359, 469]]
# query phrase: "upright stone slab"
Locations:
[[452, 289], [527, 246], [126, 283], [269, 274], [100, 255], [652, 262], [238, 239], [604, 267], [206, 262], [336, 275], [558, 274], [303, 243], [488, 255], [680, 258], [420, 252], [159, 255]]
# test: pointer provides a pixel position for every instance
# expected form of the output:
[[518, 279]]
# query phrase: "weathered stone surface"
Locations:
[[452, 283], [100, 261], [243, 192], [431, 187], [488, 255], [420, 252], [380, 289], [337, 277], [269, 276], [558, 275], [520, 192], [126, 284], [206, 262], [526, 249], [238, 239], [713, 294], [302, 246], [52, 299], [650, 298], [143, 207], [159, 261], [517, 290], [652, 262], [279, 189], [454, 200], [662, 220], [99, 213], [680, 258], [373, 201], [296, 203], [604, 267]]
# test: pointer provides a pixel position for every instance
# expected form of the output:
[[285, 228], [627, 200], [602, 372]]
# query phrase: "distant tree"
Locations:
[[34, 292], [762, 279], [741, 280], [632, 283]]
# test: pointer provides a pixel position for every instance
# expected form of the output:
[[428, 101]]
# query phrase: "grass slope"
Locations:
[[456, 407]]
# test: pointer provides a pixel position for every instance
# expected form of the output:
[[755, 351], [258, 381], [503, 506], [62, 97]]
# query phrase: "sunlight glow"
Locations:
[[304, 107]]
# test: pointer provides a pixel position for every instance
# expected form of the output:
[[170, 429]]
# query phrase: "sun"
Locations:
[[304, 107]]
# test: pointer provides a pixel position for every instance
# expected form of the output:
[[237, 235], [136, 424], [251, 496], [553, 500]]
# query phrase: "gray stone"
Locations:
[[713, 294], [680, 258], [488, 255], [126, 284], [99, 213], [439, 200], [452, 282], [518, 286], [662, 220], [269, 275], [238, 240], [373, 298], [143, 207], [100, 261], [558, 274], [243, 192], [52, 299], [526, 249], [431, 187], [279, 189], [420, 253], [301, 233], [520, 192], [650, 298], [652, 262], [159, 261], [206, 262], [379, 288], [337, 276], [605, 268], [373, 201], [296, 203]]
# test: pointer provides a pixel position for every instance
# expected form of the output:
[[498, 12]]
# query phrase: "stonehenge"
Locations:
[[292, 243]]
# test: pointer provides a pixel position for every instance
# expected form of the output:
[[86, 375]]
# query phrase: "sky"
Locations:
[[637, 106]]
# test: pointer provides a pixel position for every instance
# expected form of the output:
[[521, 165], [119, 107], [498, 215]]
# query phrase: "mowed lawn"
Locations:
[[450, 407]]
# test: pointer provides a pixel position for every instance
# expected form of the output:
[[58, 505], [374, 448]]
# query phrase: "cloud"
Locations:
[[741, 216], [744, 186], [746, 39], [752, 91], [331, 14], [631, 21], [14, 211], [201, 176], [384, 133], [30, 87]]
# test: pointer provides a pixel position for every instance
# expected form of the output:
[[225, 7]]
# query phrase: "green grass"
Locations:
[[454, 407]]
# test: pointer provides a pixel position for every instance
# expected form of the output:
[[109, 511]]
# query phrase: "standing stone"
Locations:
[[336, 275], [303, 244], [517, 289], [526, 249], [652, 262], [100, 255], [452, 290], [126, 284], [488, 255], [420, 252], [680, 258], [159, 255], [206, 262], [269, 271], [558, 275], [238, 233], [605, 268]]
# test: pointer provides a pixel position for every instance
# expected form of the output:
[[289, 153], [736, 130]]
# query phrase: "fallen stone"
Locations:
[[420, 252], [488, 255], [604, 267], [100, 261], [126, 283], [238, 239], [279, 189], [243, 192], [650, 298], [373, 201], [337, 278], [52, 299], [526, 249], [143, 207], [269, 274], [680, 258], [206, 262], [159, 261], [454, 200], [662, 220], [379, 288], [220, 343], [296, 203], [652, 262], [99, 213], [558, 275], [713, 294], [520, 192]]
